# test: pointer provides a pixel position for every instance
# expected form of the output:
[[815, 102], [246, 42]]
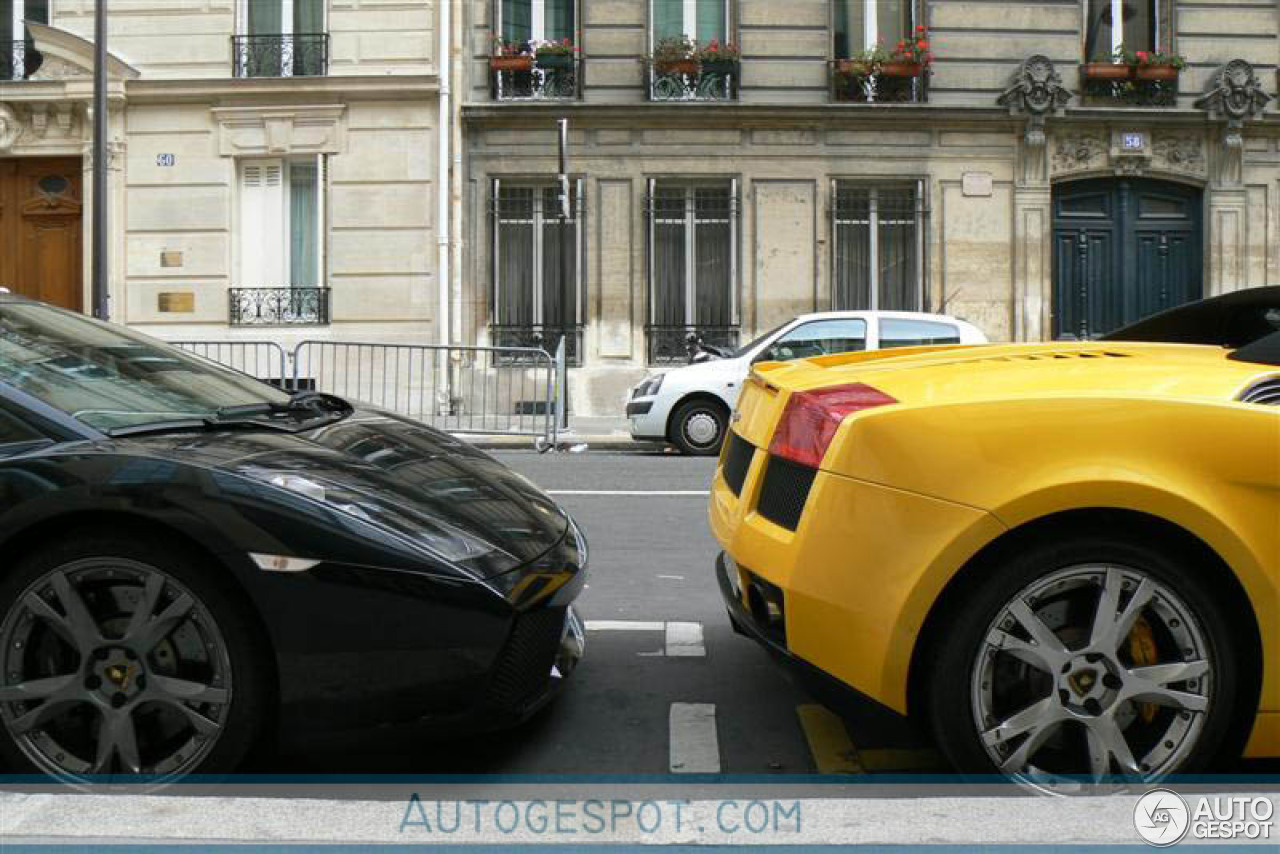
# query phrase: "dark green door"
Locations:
[[1123, 248]]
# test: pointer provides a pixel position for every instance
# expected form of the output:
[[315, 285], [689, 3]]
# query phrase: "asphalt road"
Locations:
[[652, 591], [666, 685]]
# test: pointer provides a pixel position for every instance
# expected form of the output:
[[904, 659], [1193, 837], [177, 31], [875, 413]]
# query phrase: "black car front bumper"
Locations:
[[874, 722]]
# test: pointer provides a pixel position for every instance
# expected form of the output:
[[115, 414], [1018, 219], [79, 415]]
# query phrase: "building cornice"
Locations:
[[329, 87], [529, 114]]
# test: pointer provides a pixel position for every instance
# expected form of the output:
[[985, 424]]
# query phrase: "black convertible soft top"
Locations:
[[1246, 321]]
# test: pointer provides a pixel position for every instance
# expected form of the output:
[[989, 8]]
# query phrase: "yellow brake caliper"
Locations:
[[1142, 649]]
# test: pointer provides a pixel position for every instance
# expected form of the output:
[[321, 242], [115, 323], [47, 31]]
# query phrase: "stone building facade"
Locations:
[[273, 166], [1009, 185]]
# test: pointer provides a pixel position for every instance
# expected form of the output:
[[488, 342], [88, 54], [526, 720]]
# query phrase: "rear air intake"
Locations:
[[784, 492], [737, 460], [1264, 393]]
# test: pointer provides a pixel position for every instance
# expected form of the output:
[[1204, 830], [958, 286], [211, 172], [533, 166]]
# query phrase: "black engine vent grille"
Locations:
[[784, 491], [1264, 392], [737, 459]]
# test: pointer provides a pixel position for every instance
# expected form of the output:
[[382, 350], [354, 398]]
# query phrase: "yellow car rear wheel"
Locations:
[[1085, 661]]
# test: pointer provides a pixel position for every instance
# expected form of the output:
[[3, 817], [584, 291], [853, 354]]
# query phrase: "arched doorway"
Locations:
[[1123, 248]]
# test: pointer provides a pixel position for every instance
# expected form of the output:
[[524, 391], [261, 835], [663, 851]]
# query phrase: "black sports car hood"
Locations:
[[441, 493]]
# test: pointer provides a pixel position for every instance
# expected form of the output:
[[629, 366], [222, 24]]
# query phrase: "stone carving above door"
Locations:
[[10, 127], [1179, 153], [1129, 152], [1079, 151]]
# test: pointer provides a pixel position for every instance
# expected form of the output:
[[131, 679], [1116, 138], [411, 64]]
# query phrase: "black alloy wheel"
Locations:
[[111, 665]]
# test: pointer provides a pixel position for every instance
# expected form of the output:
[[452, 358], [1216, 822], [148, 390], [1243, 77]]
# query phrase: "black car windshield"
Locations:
[[109, 377]]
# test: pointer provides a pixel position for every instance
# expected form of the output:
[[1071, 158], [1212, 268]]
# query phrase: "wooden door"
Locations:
[[1123, 249], [40, 230]]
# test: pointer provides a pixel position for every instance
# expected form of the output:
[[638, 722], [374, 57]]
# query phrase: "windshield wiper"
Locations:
[[302, 401], [320, 407]]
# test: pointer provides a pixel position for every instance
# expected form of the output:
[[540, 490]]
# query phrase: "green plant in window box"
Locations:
[[674, 55], [555, 54], [1152, 64], [719, 58], [864, 63]]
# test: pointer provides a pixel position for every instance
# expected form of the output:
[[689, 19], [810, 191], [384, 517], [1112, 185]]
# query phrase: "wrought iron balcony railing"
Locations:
[[1106, 83], [279, 306], [896, 83], [281, 55], [673, 345], [692, 81], [18, 60], [524, 78], [546, 338]]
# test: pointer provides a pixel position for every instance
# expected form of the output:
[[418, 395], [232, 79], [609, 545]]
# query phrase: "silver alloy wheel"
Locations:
[[701, 428], [1089, 672], [112, 666]]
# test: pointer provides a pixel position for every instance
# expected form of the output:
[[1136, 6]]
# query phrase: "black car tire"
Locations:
[[698, 427], [961, 645], [216, 602]]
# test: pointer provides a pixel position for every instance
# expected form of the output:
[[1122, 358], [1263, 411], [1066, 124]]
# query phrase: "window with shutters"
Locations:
[[693, 267], [281, 38], [701, 21], [878, 245], [861, 25], [537, 267], [281, 238], [18, 56], [533, 21], [1130, 24]]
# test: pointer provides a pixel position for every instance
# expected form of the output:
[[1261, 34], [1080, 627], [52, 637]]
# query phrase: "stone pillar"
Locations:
[[1036, 93], [615, 325], [1234, 96]]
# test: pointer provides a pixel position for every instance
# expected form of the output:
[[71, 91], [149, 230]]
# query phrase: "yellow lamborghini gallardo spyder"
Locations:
[[1061, 561]]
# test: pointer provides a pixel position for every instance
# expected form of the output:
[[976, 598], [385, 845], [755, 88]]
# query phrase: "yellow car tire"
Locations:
[[1093, 657]]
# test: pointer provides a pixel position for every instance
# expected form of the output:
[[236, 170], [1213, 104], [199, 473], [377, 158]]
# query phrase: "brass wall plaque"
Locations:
[[182, 302], [171, 258]]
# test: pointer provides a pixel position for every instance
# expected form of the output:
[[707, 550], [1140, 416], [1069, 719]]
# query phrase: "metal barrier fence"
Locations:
[[484, 390], [265, 360]]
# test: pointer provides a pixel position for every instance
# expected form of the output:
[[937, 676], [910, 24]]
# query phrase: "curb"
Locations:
[[594, 442]]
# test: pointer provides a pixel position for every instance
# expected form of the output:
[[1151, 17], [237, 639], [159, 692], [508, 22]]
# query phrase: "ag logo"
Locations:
[[1161, 817]]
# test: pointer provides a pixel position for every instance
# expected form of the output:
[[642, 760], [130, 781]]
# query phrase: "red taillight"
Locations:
[[811, 419]]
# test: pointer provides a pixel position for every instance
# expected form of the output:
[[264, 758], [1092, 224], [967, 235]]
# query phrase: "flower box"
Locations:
[[676, 66], [1156, 72], [854, 68], [511, 63], [555, 61], [720, 68], [1105, 71], [901, 69]]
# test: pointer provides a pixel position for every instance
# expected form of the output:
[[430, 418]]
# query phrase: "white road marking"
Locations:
[[623, 626], [672, 577], [695, 749], [686, 493], [684, 640]]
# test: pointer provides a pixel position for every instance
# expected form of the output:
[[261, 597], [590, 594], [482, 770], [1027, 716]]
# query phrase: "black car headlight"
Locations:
[[444, 541]]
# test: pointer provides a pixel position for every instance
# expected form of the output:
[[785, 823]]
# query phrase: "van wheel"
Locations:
[[698, 427]]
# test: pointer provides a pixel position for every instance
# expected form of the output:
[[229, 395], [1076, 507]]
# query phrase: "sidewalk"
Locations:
[[607, 432]]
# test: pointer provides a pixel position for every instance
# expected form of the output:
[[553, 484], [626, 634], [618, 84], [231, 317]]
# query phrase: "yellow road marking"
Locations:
[[891, 759], [829, 742]]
